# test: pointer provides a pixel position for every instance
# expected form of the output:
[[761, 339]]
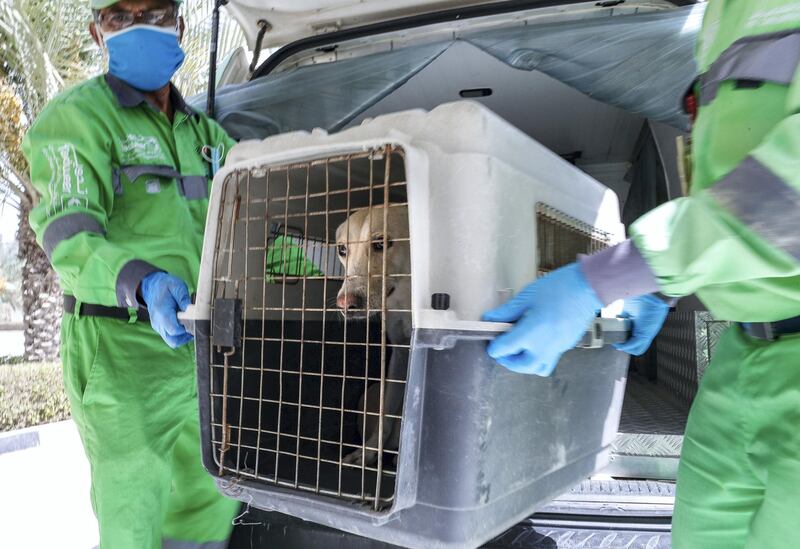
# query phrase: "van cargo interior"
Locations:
[[632, 150]]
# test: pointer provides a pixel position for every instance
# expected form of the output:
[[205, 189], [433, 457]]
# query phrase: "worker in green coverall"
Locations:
[[735, 242], [121, 164]]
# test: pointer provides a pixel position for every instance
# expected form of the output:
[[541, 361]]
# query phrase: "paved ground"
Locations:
[[44, 490], [12, 343]]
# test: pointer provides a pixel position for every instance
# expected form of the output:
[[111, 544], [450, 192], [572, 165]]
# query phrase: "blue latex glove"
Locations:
[[647, 313], [164, 295], [552, 314]]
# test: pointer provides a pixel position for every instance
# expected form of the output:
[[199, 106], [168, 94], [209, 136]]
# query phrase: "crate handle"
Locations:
[[602, 332]]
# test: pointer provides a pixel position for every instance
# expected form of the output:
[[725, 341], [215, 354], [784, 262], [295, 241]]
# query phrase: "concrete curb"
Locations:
[[13, 441]]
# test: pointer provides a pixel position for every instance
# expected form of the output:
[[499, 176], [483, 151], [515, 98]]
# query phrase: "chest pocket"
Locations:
[[155, 200]]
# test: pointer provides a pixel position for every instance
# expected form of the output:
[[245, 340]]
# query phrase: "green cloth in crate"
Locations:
[[284, 257]]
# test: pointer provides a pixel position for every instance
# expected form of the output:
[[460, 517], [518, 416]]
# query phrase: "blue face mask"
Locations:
[[144, 56]]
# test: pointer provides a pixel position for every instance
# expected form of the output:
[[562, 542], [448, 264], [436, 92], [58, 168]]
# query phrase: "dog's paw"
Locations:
[[361, 457]]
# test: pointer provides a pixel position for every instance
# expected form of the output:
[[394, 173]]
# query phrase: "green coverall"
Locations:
[[124, 192], [735, 241]]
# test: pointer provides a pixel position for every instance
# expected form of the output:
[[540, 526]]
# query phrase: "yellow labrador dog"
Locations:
[[361, 249]]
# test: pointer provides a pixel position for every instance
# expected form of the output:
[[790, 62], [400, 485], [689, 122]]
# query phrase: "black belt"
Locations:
[[771, 331], [87, 309]]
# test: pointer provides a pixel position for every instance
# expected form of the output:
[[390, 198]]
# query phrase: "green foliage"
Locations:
[[44, 47], [31, 394], [192, 77]]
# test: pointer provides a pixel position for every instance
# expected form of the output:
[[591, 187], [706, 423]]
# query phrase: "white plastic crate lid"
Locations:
[[473, 182]]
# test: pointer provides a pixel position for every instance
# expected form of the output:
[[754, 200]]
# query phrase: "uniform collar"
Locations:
[[128, 96]]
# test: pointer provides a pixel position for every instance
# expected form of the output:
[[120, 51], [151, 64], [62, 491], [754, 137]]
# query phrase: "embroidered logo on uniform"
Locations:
[[140, 148], [67, 183], [153, 186]]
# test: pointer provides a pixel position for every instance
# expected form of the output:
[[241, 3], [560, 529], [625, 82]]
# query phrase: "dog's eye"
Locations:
[[341, 249], [377, 243]]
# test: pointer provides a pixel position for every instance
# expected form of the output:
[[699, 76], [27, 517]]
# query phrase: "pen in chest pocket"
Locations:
[[213, 155]]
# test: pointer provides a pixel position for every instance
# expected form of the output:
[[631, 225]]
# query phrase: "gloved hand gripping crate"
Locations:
[[341, 362]]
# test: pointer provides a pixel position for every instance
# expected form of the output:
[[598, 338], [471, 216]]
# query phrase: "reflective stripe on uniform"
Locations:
[[191, 187], [66, 227], [181, 544], [128, 281], [133, 172], [763, 202], [766, 58]]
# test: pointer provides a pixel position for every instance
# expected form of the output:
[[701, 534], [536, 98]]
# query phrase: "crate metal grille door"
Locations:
[[316, 255], [560, 238]]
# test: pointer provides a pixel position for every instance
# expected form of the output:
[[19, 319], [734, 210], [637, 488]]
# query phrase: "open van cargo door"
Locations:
[[292, 20]]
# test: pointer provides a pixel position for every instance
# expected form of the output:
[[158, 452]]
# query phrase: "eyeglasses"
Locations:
[[118, 20]]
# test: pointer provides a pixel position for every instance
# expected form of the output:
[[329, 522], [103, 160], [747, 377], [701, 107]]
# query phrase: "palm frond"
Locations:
[[44, 47], [192, 78]]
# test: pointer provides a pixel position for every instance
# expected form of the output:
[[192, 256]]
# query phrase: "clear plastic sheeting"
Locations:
[[325, 96], [641, 63]]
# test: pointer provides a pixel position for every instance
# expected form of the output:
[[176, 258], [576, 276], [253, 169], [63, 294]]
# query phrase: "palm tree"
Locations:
[[44, 47]]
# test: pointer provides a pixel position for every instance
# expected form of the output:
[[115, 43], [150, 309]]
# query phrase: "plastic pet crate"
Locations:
[[374, 408]]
